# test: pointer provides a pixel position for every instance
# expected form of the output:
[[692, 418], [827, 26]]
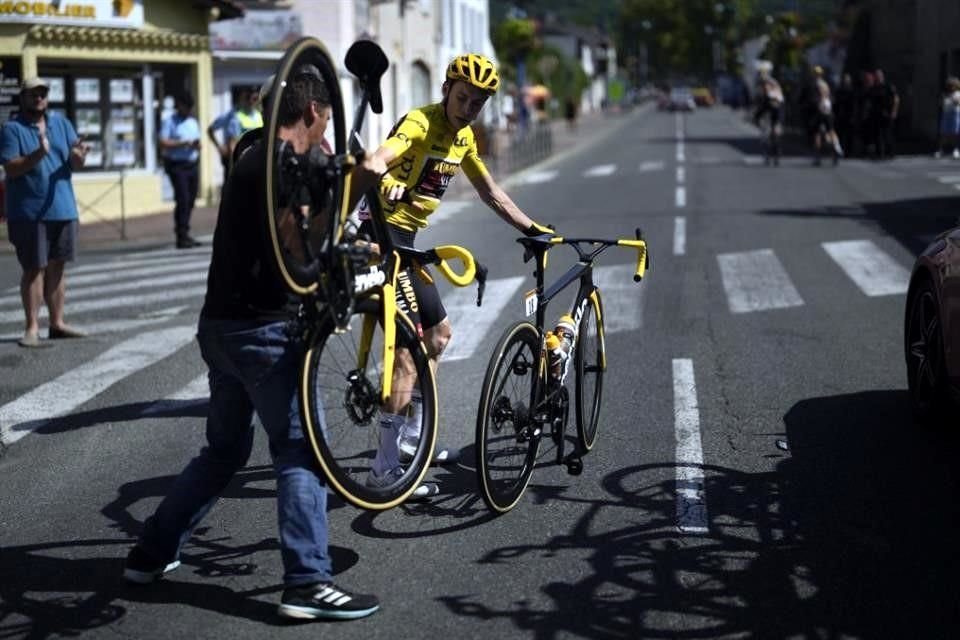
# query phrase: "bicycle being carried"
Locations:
[[524, 391], [362, 352]]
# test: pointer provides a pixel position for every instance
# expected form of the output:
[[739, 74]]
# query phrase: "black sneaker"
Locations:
[[327, 601], [141, 568]]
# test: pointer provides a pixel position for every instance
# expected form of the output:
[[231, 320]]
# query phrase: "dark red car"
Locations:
[[932, 329]]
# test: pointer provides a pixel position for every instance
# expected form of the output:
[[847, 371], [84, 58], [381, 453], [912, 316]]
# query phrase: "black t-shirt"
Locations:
[[244, 282]]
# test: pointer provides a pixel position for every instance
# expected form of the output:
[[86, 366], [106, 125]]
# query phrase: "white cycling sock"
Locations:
[[387, 457], [414, 422]]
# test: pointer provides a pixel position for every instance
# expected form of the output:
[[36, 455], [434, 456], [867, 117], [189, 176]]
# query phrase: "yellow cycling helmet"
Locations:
[[476, 70]]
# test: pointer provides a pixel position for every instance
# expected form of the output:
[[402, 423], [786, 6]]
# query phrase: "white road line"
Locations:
[[538, 177], [199, 387], [681, 153], [679, 236], [136, 301], [756, 281], [957, 187], [112, 266], [113, 272], [651, 165], [622, 298], [117, 287], [681, 175], [79, 385], [869, 266], [600, 170], [691, 497], [471, 323], [752, 160], [680, 199], [949, 179], [117, 326]]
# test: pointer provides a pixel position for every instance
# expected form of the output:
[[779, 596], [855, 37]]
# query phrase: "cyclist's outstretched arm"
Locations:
[[498, 200]]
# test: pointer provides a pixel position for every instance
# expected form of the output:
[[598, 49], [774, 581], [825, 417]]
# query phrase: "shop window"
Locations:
[[106, 108]]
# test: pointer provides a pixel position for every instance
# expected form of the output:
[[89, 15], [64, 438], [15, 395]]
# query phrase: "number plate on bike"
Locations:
[[530, 302]]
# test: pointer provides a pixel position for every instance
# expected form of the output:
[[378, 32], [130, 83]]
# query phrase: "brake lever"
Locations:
[[481, 279]]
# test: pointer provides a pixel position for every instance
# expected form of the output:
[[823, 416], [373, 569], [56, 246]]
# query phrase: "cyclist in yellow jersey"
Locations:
[[423, 152]]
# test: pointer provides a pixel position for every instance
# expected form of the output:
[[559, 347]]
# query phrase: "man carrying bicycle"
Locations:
[[426, 148]]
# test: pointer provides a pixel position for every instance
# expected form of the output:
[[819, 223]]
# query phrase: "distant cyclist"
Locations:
[[770, 103], [824, 132], [426, 148]]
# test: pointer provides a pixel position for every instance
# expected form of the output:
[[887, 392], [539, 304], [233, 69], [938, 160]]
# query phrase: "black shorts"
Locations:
[[416, 297], [39, 241], [822, 122]]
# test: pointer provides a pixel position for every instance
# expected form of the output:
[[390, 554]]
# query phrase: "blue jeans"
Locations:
[[253, 367]]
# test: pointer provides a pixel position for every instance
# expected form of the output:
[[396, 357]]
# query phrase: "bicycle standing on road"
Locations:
[[524, 390]]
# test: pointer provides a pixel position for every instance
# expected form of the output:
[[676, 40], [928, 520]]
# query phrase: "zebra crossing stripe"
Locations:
[[128, 261], [117, 326], [140, 300], [756, 281], [117, 287], [538, 177], [622, 298], [199, 387], [871, 268], [110, 271], [79, 385], [651, 165], [470, 323], [600, 170]]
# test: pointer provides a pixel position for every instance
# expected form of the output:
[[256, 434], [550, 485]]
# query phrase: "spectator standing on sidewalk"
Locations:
[[887, 108], [844, 112], [180, 148], [242, 117], [39, 151], [950, 118]]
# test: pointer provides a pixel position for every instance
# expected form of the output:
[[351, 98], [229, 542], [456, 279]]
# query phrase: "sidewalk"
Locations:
[[157, 228]]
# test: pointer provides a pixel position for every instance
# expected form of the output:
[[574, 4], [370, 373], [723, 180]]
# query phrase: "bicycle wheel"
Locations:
[[302, 199], [590, 361], [341, 381], [507, 435]]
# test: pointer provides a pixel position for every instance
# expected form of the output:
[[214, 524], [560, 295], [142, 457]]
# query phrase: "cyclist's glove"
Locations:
[[538, 230]]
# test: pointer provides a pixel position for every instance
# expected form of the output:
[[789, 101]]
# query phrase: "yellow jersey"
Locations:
[[429, 152]]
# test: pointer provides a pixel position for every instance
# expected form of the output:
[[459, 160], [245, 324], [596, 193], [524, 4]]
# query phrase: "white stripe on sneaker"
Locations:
[[756, 281]]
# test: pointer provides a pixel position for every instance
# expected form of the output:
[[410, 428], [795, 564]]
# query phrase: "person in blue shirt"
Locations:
[[39, 151], [180, 148], [243, 117]]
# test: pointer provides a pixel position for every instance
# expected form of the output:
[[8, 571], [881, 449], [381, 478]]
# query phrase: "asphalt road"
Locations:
[[757, 472]]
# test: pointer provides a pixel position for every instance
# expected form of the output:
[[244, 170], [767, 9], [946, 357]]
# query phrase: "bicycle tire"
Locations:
[[300, 274], [589, 363], [505, 461], [339, 404]]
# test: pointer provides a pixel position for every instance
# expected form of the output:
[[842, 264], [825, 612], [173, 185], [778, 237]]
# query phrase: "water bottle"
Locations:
[[560, 343]]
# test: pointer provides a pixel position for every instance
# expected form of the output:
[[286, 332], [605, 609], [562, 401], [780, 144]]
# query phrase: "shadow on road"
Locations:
[[852, 535], [65, 588], [912, 222]]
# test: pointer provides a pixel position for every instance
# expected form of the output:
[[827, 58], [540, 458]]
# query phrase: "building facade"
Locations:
[[111, 66]]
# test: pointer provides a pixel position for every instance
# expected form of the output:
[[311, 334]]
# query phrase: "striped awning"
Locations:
[[126, 38]]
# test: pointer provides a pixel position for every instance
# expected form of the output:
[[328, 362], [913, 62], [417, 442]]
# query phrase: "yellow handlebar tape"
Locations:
[[641, 248], [453, 252]]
